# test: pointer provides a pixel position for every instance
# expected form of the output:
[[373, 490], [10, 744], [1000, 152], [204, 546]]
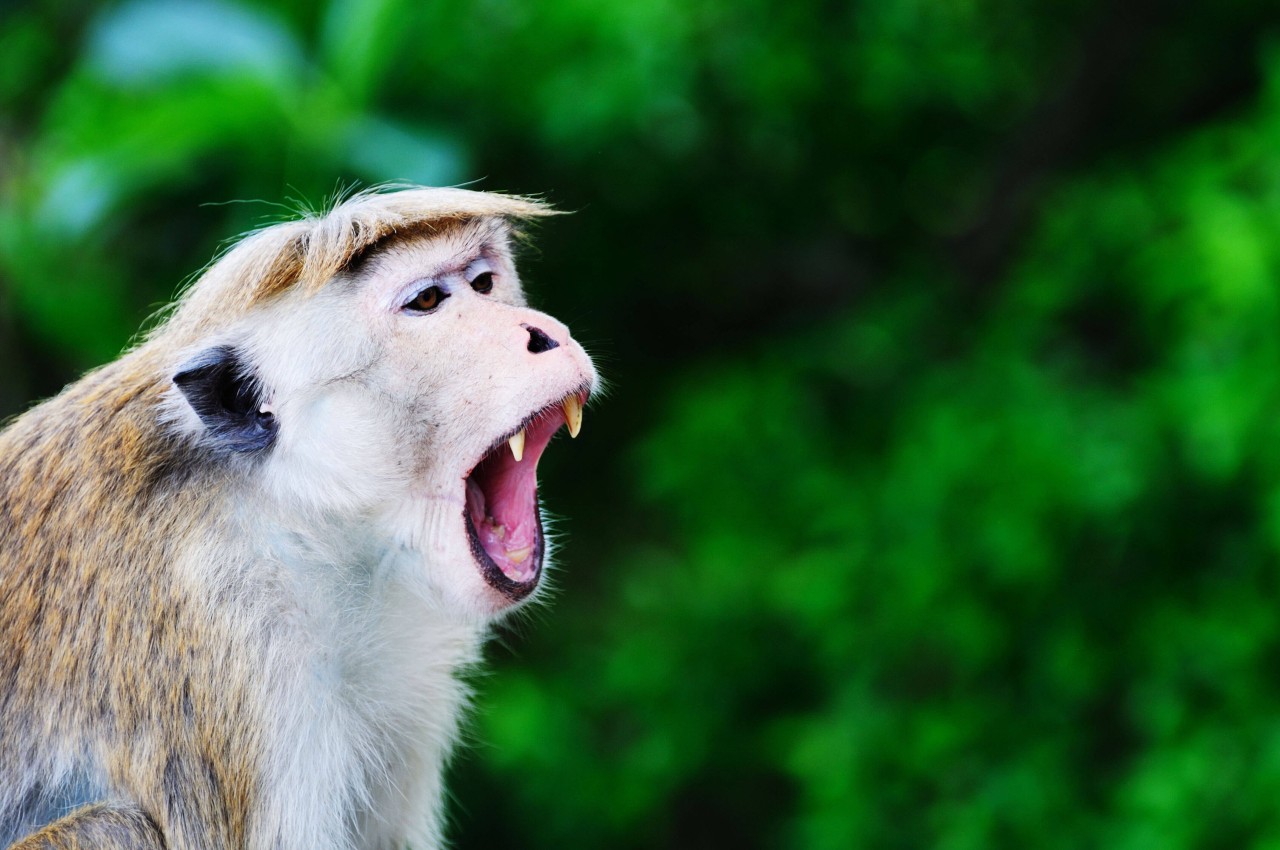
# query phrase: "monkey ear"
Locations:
[[228, 400]]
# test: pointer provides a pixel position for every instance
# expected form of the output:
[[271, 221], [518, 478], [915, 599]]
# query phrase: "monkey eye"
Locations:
[[480, 276], [427, 300]]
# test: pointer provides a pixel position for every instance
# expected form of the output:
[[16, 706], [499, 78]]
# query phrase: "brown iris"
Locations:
[[427, 300]]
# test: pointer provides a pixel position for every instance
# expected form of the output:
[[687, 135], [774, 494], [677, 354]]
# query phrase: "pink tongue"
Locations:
[[501, 502], [504, 520]]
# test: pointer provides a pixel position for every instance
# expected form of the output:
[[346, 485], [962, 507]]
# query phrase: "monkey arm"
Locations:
[[97, 827]]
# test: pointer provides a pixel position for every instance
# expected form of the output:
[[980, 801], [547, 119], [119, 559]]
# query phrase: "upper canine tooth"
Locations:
[[517, 445], [572, 414]]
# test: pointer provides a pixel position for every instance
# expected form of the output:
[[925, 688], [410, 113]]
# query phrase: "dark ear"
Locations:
[[227, 399]]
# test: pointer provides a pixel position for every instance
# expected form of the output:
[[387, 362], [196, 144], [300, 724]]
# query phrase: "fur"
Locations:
[[215, 643]]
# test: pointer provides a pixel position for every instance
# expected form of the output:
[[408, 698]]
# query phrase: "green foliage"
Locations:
[[937, 503]]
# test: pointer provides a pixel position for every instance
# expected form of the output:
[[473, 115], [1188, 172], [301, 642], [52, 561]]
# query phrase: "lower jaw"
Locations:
[[493, 575]]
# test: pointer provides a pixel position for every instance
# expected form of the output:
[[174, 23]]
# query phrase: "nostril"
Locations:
[[539, 341]]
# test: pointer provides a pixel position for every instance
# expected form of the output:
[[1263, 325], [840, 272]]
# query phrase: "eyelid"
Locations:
[[440, 296], [410, 291], [477, 267]]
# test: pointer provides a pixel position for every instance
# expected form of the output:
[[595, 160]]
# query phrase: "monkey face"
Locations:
[[488, 380], [410, 399]]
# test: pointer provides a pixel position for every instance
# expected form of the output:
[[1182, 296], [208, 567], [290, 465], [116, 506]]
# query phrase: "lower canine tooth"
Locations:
[[518, 555], [517, 445], [572, 414]]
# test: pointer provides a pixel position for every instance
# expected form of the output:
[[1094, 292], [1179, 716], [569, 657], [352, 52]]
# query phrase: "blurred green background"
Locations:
[[937, 502]]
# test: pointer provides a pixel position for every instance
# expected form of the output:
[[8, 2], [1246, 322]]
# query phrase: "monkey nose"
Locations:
[[539, 341]]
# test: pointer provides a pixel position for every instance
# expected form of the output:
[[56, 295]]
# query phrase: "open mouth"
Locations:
[[503, 523]]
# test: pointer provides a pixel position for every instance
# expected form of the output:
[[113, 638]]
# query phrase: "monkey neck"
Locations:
[[351, 633]]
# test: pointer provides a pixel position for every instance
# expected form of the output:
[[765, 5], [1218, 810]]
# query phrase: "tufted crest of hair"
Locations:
[[309, 252]]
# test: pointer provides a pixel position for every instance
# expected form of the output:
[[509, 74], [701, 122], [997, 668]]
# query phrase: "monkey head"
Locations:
[[385, 392]]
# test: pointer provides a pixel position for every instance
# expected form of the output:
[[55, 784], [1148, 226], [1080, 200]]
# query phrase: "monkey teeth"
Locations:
[[501, 512], [572, 407], [572, 414]]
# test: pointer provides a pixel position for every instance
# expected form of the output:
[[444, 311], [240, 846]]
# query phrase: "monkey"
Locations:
[[245, 567]]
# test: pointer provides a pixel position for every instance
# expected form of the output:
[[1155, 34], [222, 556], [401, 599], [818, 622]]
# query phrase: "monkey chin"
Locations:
[[504, 525]]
